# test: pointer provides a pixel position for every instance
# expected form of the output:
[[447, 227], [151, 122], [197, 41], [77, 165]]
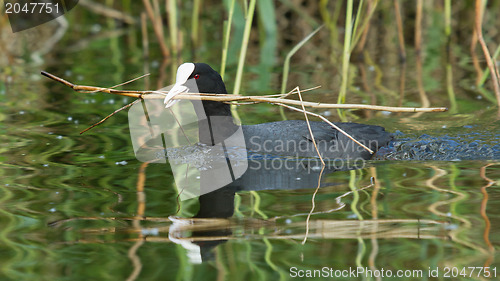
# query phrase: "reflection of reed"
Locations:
[[487, 227], [183, 230], [323, 229], [373, 202], [141, 207], [454, 234]]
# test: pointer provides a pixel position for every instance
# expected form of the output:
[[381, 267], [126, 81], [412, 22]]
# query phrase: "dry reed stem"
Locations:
[[418, 28], [107, 117], [157, 28], [475, 60], [229, 98], [489, 60], [104, 10], [309, 128], [121, 84], [418, 49], [399, 24]]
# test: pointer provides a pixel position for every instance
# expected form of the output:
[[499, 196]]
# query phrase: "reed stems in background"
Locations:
[[449, 87], [402, 52], [331, 23], [346, 55], [486, 72], [225, 42], [360, 40], [365, 26], [250, 11], [418, 49], [418, 29], [475, 59], [489, 61], [447, 21], [157, 27], [399, 24], [286, 65], [195, 22], [244, 46], [356, 22], [296, 7], [172, 27], [145, 48], [449, 69]]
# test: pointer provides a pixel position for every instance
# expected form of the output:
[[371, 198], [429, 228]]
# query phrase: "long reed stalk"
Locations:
[[449, 69], [244, 46], [399, 24], [172, 27], [286, 65], [489, 60], [195, 23], [346, 54], [486, 72], [157, 27], [225, 42]]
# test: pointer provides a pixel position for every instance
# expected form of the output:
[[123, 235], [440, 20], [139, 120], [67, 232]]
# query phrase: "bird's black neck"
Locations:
[[218, 124], [215, 108]]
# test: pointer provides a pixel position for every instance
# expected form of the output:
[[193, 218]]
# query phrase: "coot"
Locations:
[[282, 138]]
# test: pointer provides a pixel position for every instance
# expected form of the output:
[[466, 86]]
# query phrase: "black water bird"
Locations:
[[282, 138]]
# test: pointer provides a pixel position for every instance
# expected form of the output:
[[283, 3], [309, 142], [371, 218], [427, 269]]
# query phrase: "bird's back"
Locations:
[[292, 138]]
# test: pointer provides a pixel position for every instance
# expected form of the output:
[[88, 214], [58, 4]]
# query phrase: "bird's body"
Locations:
[[268, 138], [282, 138]]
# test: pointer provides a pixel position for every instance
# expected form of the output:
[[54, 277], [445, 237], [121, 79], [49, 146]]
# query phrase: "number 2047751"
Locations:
[[31, 8], [471, 271]]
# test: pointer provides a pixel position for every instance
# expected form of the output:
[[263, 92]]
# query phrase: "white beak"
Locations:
[[183, 72]]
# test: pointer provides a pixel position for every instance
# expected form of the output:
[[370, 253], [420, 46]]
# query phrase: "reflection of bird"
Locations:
[[284, 138]]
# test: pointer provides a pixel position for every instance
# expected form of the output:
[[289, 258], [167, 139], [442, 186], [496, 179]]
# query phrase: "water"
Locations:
[[80, 207]]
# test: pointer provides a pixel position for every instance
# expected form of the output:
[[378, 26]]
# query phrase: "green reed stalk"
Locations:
[[286, 65], [225, 40], [354, 207], [399, 24], [447, 18], [356, 22], [172, 25], [346, 56], [486, 71], [489, 61], [357, 35], [449, 70], [244, 46], [195, 20]]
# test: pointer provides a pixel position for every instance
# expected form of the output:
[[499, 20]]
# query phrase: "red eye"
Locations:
[[196, 76]]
